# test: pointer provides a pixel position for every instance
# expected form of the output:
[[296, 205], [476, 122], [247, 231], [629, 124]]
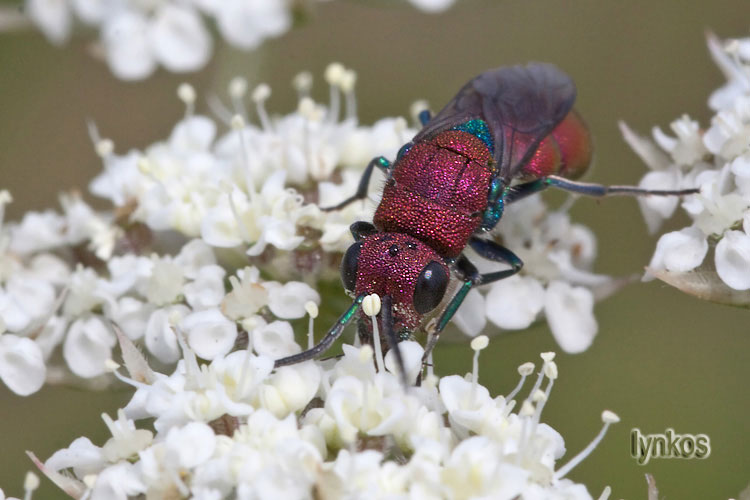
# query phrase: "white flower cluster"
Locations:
[[56, 320], [717, 161], [332, 429], [137, 36]]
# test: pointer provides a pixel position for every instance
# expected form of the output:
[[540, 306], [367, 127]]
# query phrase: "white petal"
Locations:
[[160, 338], [193, 256], [51, 335], [50, 268], [208, 288], [209, 333], [515, 302], [470, 318], [733, 259], [90, 11], [245, 23], [37, 231], [412, 353], [657, 208], [87, 346], [219, 227], [82, 456], [570, 315], [127, 46], [131, 315], [165, 283], [180, 40], [297, 384], [120, 481], [288, 301], [22, 366], [644, 147], [191, 445], [682, 250], [12, 315], [432, 5], [740, 166], [193, 134], [275, 340], [52, 17]]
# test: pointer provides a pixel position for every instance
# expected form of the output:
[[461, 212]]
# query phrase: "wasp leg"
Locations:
[[521, 191], [599, 190], [425, 116], [322, 346], [468, 271], [382, 163]]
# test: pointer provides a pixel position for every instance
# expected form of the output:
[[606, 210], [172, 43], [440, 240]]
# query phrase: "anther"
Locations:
[[333, 73], [237, 87], [30, 483], [104, 147], [238, 123], [302, 83], [186, 93], [261, 93], [371, 307]]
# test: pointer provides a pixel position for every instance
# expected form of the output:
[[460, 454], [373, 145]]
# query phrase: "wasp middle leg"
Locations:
[[472, 277]]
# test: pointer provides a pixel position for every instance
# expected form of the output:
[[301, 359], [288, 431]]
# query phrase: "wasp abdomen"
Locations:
[[566, 151]]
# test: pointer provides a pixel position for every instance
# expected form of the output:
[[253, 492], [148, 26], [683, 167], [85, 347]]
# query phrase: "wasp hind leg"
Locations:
[[472, 277], [364, 182], [600, 190]]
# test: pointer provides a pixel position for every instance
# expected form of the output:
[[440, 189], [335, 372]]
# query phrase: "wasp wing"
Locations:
[[520, 104]]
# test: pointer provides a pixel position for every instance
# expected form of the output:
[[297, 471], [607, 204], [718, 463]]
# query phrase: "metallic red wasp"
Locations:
[[510, 132]]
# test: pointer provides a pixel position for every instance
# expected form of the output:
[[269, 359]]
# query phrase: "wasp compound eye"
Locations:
[[349, 265], [430, 288]]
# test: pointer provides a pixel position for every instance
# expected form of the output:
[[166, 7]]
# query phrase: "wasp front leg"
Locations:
[[364, 182]]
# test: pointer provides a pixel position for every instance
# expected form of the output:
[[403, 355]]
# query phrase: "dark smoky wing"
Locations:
[[520, 104]]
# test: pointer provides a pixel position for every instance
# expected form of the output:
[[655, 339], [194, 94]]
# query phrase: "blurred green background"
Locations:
[[662, 359]]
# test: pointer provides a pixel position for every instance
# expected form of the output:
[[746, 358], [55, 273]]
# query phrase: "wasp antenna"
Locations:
[[390, 335], [330, 337]]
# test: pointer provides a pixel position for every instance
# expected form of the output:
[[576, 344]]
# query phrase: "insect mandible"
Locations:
[[508, 133]]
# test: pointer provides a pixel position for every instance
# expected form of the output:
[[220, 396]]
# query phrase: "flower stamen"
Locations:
[[371, 307], [608, 418]]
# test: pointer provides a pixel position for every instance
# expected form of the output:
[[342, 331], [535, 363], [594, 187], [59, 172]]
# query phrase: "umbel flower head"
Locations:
[[136, 36], [221, 235], [339, 428], [717, 160]]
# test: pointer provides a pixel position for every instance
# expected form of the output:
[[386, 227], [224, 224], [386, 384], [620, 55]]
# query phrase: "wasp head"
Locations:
[[401, 267]]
